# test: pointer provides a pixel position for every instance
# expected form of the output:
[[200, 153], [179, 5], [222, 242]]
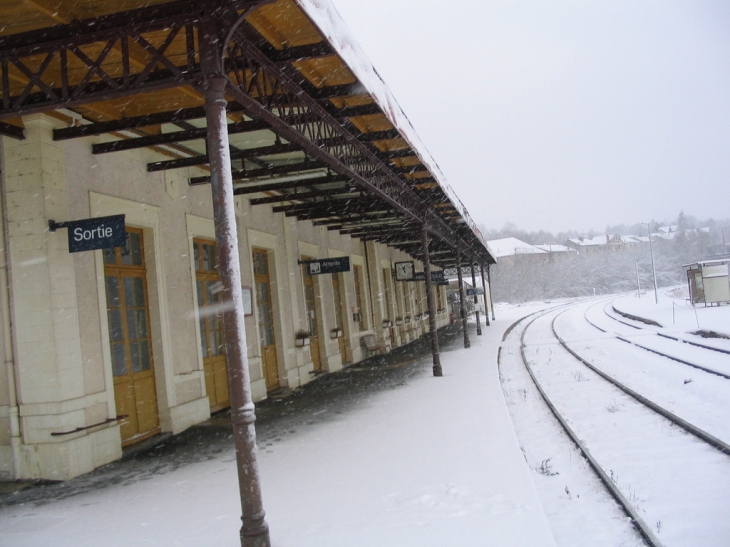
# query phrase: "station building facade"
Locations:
[[106, 348]]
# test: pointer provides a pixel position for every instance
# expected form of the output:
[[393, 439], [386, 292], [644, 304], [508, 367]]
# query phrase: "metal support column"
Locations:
[[437, 370], [489, 280], [255, 530], [476, 299], [462, 299], [484, 288]]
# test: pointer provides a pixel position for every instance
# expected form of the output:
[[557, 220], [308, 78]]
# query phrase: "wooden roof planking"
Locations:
[[307, 134]]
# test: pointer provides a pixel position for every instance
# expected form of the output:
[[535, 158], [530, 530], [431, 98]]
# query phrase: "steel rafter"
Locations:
[[236, 154], [302, 196], [360, 219], [273, 186], [172, 137], [261, 87], [286, 169], [332, 208]]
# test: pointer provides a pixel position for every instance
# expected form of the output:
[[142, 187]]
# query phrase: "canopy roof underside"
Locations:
[[307, 136]]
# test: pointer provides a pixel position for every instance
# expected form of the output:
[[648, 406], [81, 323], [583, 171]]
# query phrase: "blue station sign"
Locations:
[[327, 265], [90, 234]]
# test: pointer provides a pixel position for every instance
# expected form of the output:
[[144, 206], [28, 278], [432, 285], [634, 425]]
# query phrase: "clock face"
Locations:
[[403, 270]]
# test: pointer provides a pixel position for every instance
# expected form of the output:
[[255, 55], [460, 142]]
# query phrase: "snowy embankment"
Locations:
[[433, 462], [676, 315], [676, 484]]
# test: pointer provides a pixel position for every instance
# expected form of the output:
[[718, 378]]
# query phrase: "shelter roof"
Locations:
[[314, 130]]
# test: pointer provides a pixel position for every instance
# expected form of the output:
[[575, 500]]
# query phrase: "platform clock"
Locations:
[[403, 271]]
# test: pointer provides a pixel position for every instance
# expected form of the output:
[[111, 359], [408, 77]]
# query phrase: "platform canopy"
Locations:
[[314, 132]]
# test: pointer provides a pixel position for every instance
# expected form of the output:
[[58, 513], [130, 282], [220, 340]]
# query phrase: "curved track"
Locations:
[[690, 353], [600, 390]]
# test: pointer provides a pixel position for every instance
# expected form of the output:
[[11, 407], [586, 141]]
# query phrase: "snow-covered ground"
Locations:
[[434, 462], [440, 461], [674, 312]]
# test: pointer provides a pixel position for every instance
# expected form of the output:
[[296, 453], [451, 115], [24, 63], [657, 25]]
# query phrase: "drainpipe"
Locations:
[[9, 355]]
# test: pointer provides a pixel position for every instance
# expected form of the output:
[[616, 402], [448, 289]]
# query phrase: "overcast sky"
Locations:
[[563, 114]]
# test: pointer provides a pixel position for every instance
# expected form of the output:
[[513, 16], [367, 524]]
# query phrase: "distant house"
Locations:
[[557, 251], [509, 249], [510, 246], [667, 232], [608, 242], [636, 239], [588, 244]]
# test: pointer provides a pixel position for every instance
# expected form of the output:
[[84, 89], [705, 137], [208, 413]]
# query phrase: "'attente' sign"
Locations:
[[93, 233], [437, 277], [328, 265]]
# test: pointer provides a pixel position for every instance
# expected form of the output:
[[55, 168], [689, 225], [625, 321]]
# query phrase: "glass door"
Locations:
[[212, 341], [130, 339], [311, 311], [265, 308]]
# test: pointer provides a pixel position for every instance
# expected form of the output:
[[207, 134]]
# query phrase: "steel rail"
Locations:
[[663, 335], [690, 428], [642, 527], [655, 351], [691, 343]]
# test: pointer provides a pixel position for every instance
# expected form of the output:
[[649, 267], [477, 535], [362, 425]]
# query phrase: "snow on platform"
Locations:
[[431, 463]]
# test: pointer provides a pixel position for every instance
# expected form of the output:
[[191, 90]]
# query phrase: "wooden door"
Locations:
[[265, 308], [359, 300], [135, 393], [212, 341], [311, 311], [338, 315]]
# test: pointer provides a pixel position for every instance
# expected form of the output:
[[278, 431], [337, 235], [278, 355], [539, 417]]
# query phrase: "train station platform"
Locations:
[[381, 453]]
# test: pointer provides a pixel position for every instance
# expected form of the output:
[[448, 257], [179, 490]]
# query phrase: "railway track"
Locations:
[[666, 345], [639, 325], [654, 461]]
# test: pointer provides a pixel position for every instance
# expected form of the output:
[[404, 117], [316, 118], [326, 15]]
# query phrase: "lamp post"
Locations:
[[653, 269], [636, 265]]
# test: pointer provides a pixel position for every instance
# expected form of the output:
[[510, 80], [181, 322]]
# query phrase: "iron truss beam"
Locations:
[[55, 84], [320, 134], [56, 71]]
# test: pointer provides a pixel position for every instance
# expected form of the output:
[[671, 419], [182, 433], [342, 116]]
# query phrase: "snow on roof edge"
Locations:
[[330, 23]]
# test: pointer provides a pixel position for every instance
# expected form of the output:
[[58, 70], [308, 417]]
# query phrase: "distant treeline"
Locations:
[[524, 278]]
